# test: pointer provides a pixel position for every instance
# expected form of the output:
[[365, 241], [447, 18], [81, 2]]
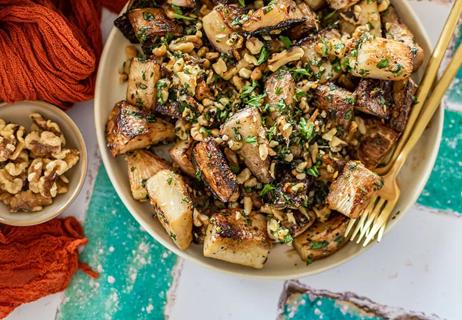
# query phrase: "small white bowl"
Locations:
[[19, 113], [283, 262]]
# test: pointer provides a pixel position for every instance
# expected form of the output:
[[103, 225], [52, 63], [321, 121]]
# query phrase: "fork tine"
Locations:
[[365, 213], [380, 234], [371, 218], [380, 222], [351, 223]]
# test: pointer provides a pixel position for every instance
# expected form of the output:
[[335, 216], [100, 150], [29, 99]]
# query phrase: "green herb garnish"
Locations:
[[306, 129], [316, 245], [313, 170], [264, 54], [251, 139], [266, 188], [383, 63], [148, 16], [286, 42]]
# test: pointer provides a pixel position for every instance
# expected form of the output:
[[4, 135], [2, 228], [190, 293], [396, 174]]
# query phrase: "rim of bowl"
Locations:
[[242, 271], [72, 194]]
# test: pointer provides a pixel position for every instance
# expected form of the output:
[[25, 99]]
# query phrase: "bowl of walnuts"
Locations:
[[43, 161]]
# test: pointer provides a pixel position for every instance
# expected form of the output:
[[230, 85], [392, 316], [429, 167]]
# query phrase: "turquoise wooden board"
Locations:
[[300, 302], [136, 272], [444, 188]]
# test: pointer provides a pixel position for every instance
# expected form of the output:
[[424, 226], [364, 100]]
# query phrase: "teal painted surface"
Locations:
[[135, 271], [310, 307], [444, 188], [454, 94]]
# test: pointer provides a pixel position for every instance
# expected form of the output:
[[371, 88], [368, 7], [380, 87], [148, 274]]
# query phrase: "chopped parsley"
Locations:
[[251, 139], [242, 3], [383, 63], [148, 16], [198, 175], [256, 101], [286, 42], [316, 245], [264, 54], [178, 14], [306, 129], [350, 100], [169, 180], [288, 238], [248, 89], [348, 115], [313, 170], [266, 189]]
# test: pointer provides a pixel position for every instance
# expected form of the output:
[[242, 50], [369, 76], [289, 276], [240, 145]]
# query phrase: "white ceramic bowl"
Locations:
[[19, 113], [283, 262]]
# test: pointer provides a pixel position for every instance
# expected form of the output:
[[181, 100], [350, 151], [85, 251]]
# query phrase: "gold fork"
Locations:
[[373, 220], [427, 81]]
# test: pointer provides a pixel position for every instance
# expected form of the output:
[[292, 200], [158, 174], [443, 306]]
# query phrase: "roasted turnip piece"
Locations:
[[403, 97], [320, 66], [149, 23], [338, 103], [350, 193], [183, 3], [316, 4], [142, 80], [376, 144], [383, 59], [276, 15], [246, 125], [173, 206], [341, 4], [217, 29], [142, 165], [280, 86], [181, 155], [210, 161], [308, 26], [322, 239], [364, 13], [236, 238], [374, 97], [396, 30], [130, 128], [123, 24]]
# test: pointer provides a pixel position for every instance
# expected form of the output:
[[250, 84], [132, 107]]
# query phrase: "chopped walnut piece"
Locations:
[[11, 140], [9, 183], [19, 165], [41, 124], [25, 201], [43, 144], [62, 184], [70, 156]]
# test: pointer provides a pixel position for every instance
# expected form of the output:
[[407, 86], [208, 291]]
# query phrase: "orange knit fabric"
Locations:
[[49, 49], [37, 261]]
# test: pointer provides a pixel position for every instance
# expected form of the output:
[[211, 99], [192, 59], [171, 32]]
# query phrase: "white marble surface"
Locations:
[[418, 266]]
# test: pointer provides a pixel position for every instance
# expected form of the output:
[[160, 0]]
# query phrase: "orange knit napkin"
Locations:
[[49, 49]]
